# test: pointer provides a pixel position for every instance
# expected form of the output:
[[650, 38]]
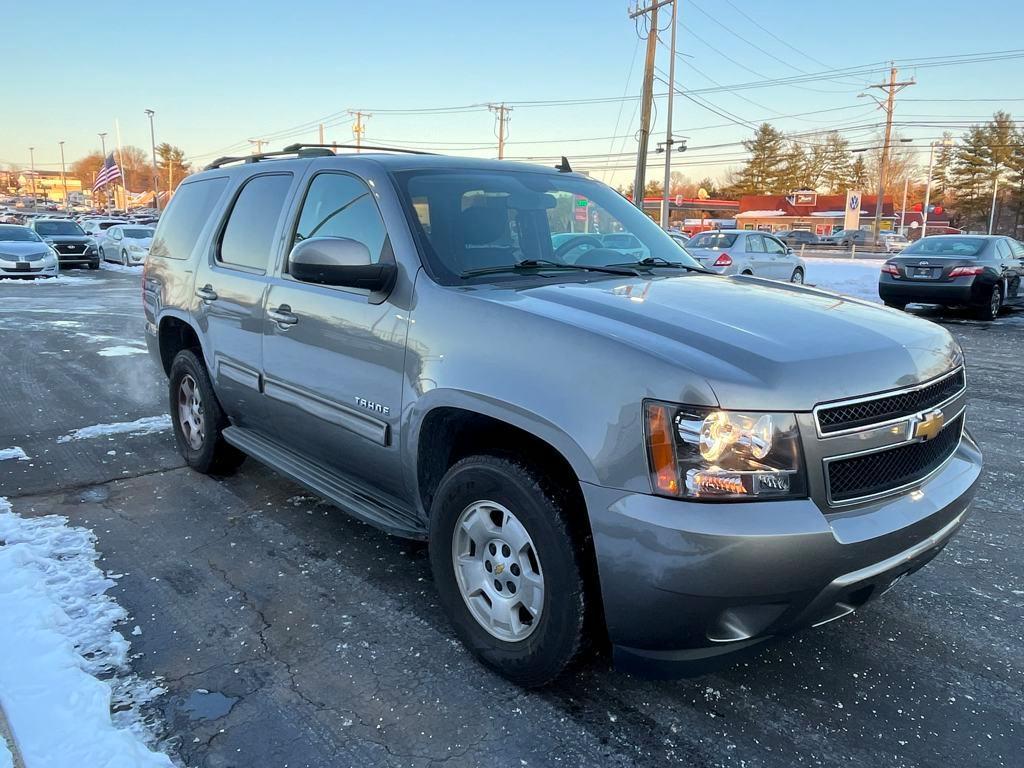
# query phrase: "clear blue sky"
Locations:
[[218, 73]]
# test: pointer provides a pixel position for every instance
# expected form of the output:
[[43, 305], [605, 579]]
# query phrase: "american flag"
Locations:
[[108, 173]]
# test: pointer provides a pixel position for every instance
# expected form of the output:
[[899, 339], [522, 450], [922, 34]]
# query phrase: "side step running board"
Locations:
[[387, 516]]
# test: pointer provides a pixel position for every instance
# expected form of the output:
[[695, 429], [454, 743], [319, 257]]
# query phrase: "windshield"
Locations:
[[13, 234], [963, 247], [138, 233], [712, 240], [486, 220], [49, 228]]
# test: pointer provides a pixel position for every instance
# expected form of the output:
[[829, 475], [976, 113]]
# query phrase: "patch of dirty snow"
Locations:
[[143, 426], [121, 351], [66, 689]]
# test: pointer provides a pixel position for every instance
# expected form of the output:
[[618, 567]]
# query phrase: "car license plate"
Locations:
[[924, 272], [22, 266]]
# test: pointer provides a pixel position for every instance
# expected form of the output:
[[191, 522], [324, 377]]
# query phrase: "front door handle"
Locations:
[[206, 293], [282, 315]]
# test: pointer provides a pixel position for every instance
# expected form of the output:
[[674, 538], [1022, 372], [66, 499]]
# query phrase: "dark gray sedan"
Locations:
[[982, 272]]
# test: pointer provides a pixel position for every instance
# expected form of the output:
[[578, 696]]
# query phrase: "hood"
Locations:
[[758, 344], [10, 248]]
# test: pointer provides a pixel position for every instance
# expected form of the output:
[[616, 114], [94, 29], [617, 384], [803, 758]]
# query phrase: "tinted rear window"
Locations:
[[712, 240], [186, 214], [962, 247], [249, 235]]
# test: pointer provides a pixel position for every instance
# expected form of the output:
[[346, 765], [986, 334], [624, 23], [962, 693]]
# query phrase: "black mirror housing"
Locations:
[[340, 261]]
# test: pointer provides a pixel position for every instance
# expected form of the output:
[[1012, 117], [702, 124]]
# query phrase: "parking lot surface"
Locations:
[[286, 633]]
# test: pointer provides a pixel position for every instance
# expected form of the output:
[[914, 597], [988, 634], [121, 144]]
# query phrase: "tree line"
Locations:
[[966, 172]]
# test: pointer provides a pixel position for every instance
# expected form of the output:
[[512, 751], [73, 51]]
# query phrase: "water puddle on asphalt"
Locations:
[[208, 705]]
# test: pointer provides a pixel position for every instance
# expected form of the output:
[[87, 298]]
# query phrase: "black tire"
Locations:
[[545, 513], [990, 310], [94, 264], [124, 258], [798, 276], [103, 254], [747, 272], [896, 305], [214, 455]]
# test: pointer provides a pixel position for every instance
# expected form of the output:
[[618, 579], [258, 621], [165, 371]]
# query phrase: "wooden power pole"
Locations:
[[501, 120], [358, 129], [646, 99], [891, 88]]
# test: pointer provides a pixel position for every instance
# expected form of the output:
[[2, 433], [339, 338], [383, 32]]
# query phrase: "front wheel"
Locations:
[[798, 276], [198, 419], [103, 254], [124, 258], [509, 567], [990, 310]]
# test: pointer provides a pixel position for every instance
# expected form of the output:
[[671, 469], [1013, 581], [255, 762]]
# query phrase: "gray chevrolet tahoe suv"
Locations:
[[597, 445]]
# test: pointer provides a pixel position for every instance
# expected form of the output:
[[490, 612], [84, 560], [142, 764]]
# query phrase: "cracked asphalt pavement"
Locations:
[[287, 634]]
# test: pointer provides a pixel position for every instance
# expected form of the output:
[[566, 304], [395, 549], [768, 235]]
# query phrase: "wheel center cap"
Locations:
[[499, 569]]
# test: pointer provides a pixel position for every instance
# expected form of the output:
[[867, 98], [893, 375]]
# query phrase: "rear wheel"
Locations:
[[798, 276], [198, 419], [508, 567], [990, 311]]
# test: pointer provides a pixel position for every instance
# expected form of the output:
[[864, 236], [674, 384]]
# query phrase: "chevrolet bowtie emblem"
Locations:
[[928, 425]]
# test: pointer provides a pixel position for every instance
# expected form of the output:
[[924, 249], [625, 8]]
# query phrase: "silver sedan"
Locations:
[[24, 254], [746, 252]]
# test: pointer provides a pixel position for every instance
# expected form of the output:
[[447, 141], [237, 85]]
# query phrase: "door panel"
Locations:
[[333, 377]]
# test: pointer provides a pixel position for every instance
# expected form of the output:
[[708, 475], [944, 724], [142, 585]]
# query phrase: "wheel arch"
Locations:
[[175, 333]]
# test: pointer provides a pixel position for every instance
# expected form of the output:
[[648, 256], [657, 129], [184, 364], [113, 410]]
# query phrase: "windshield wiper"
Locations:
[[531, 264], [658, 261]]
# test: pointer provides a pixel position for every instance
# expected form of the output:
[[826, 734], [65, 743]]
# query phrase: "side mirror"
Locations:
[[339, 261], [789, 249]]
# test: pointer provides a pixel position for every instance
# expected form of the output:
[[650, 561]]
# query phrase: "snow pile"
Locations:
[[144, 426], [134, 269], [56, 642], [854, 277], [60, 279], [13, 453]]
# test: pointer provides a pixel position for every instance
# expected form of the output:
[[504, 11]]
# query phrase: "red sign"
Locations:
[[805, 198]]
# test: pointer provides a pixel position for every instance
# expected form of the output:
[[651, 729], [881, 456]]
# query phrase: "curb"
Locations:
[[8, 736]]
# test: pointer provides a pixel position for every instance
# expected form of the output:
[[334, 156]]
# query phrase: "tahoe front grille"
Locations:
[[867, 411], [876, 473]]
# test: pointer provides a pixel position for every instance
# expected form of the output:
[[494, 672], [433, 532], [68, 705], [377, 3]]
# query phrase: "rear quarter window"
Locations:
[[185, 217]]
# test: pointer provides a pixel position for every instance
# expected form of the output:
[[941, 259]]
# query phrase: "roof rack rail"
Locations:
[[371, 148], [307, 150]]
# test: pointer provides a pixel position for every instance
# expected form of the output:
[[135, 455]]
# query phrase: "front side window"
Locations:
[[755, 244], [773, 246], [339, 205], [248, 237], [481, 221]]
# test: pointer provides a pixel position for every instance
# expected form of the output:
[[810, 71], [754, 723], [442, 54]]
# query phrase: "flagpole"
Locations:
[[120, 162]]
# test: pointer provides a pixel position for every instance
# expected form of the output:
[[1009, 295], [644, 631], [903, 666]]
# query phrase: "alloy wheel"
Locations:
[[798, 276], [190, 413], [498, 571]]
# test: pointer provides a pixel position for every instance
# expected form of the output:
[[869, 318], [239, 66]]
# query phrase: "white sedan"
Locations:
[[127, 244], [746, 252]]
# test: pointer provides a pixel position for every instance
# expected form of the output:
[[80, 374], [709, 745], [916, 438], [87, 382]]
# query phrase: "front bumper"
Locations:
[[686, 585], [36, 269]]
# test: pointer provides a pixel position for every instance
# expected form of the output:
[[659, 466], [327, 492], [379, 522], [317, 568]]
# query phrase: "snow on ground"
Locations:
[[6, 759], [111, 267], [144, 426], [13, 453], [121, 351], [63, 668], [60, 279], [854, 277]]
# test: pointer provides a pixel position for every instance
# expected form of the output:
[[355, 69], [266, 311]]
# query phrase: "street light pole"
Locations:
[[995, 189], [903, 208], [64, 177], [32, 166], [928, 184], [152, 144]]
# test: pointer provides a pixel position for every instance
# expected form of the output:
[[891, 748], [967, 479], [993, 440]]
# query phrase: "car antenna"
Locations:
[[563, 167]]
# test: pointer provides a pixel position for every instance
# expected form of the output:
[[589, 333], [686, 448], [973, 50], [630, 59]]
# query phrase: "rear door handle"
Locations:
[[282, 315], [206, 293]]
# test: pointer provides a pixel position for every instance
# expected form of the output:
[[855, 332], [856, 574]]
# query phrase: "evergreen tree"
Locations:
[[972, 175], [858, 178], [761, 174], [942, 169], [837, 175], [793, 174]]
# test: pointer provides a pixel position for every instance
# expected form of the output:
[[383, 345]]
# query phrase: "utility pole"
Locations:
[[321, 134], [903, 208], [501, 121], [32, 175], [259, 145], [668, 119], [152, 145], [995, 189], [646, 98], [359, 129], [891, 88], [928, 184], [64, 177]]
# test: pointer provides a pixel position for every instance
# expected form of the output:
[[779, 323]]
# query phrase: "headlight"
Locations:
[[712, 454], [135, 248]]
